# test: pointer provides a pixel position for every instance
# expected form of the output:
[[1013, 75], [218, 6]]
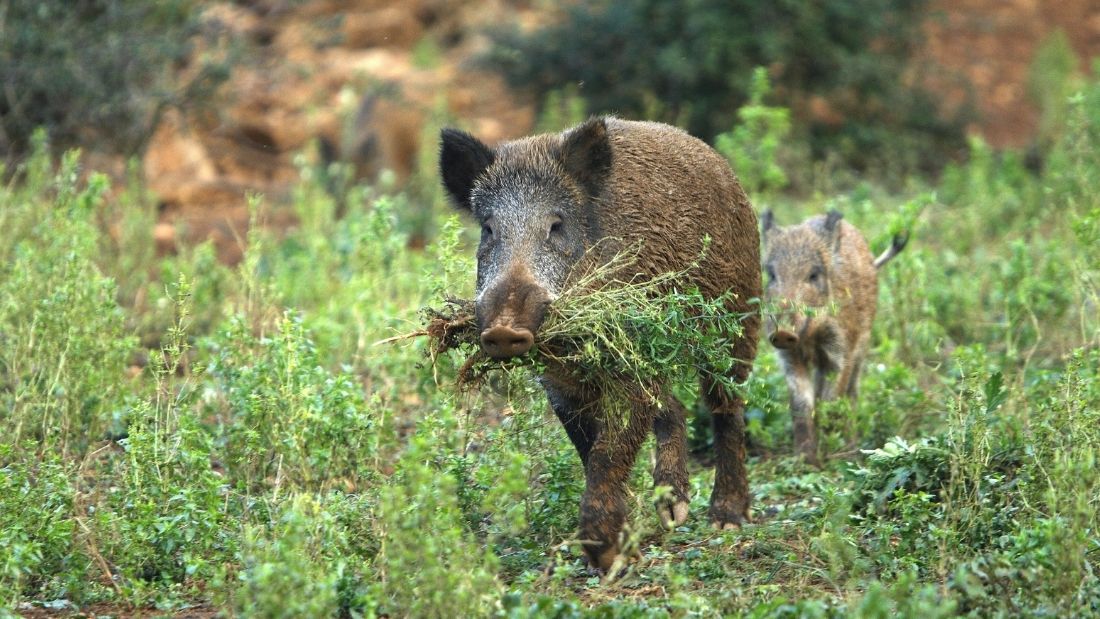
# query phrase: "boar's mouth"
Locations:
[[509, 315]]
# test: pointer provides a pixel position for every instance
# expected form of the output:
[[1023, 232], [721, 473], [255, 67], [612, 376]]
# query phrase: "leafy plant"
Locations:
[[64, 345], [284, 573], [285, 420], [430, 565], [753, 145], [624, 335]]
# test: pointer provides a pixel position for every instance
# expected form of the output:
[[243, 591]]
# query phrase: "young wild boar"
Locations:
[[822, 264], [545, 201]]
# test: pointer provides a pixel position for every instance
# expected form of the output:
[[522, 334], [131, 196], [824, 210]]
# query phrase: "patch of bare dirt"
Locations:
[[991, 44], [363, 79]]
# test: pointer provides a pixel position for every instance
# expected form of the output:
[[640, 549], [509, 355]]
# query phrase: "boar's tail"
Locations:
[[898, 244]]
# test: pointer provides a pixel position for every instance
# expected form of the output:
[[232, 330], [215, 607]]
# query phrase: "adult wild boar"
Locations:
[[822, 266], [546, 201]]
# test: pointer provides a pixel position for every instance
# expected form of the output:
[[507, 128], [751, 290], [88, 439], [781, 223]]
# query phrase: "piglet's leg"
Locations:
[[800, 385], [852, 389]]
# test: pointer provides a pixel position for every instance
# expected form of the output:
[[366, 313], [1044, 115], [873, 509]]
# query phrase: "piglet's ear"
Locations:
[[832, 229], [462, 158], [586, 155]]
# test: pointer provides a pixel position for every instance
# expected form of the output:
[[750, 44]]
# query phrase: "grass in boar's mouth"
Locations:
[[623, 334]]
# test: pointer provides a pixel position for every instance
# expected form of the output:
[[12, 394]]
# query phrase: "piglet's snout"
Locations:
[[783, 339], [503, 342]]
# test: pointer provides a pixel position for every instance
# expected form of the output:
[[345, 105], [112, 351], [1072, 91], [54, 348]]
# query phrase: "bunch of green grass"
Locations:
[[626, 336]]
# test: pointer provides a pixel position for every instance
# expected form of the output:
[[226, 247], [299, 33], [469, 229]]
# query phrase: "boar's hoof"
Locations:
[[501, 342], [726, 517], [782, 340], [672, 514]]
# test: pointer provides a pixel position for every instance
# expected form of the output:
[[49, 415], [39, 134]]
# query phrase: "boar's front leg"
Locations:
[[607, 468], [670, 470], [577, 414], [608, 456], [729, 501]]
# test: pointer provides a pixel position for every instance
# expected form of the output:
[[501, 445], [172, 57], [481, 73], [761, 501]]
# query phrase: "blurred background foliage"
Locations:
[[99, 71], [844, 68]]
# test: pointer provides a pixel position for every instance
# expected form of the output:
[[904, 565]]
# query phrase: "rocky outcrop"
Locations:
[[366, 80]]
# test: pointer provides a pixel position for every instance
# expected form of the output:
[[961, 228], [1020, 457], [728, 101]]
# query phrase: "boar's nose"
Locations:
[[783, 339], [501, 342]]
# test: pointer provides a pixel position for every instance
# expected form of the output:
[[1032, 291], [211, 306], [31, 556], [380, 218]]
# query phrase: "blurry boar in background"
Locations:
[[822, 291], [547, 201]]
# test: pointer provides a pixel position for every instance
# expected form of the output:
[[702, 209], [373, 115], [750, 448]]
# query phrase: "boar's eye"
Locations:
[[815, 275], [486, 230], [771, 274]]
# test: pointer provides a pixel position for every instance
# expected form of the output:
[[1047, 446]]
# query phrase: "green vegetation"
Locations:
[[176, 433]]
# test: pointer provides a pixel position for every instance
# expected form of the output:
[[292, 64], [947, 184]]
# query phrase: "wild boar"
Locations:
[[821, 266], [546, 201]]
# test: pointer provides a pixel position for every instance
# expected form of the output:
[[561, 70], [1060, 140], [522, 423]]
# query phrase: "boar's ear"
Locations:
[[832, 231], [462, 158], [586, 155]]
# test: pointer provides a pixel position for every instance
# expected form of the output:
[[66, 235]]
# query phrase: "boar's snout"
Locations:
[[509, 314], [502, 342], [783, 339]]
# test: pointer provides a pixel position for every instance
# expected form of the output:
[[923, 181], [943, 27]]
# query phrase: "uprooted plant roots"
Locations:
[[453, 327]]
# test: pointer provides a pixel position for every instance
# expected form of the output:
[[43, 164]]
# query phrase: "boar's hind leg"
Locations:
[[729, 501], [671, 467], [603, 505]]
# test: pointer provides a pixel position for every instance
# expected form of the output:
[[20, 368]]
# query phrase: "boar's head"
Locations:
[[536, 200]]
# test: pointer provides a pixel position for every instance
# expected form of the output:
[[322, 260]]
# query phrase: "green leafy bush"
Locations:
[[285, 574], [166, 523], [64, 344], [39, 554], [753, 145], [429, 563], [285, 419]]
